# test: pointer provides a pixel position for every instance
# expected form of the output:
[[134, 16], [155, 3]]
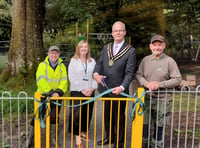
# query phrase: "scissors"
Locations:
[[103, 80]]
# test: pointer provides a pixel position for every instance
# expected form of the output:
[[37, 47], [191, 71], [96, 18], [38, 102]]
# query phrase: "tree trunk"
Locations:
[[16, 55], [26, 46], [34, 34]]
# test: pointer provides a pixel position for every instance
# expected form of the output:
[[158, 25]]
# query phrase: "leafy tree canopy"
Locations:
[[177, 20], [5, 19]]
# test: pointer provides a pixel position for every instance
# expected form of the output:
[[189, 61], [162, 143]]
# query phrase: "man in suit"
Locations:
[[115, 67]]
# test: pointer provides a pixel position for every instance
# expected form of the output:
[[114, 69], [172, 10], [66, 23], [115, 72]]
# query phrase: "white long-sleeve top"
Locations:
[[80, 77]]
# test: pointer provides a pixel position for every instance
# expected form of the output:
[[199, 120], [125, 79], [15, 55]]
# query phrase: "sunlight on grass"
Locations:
[[197, 132], [189, 132], [184, 103]]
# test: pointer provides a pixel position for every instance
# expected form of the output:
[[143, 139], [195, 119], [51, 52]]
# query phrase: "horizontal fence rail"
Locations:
[[182, 130], [135, 132]]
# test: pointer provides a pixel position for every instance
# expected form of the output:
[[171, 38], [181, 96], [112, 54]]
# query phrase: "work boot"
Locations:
[[159, 133], [144, 143], [31, 138], [159, 140], [156, 144]]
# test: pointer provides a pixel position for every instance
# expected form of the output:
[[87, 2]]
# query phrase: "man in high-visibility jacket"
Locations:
[[51, 78]]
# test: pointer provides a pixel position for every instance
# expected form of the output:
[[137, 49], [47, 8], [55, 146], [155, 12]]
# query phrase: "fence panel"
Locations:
[[14, 119], [182, 130], [135, 135]]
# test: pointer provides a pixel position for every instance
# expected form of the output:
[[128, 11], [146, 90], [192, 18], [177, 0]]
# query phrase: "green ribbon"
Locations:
[[43, 105], [94, 98], [42, 110], [141, 106], [138, 100]]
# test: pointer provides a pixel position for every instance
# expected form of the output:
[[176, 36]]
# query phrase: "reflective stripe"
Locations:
[[57, 80], [46, 70], [51, 80], [64, 78], [60, 71], [40, 77], [44, 77]]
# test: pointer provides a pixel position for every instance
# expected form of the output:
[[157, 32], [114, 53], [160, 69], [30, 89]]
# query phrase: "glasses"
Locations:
[[55, 53], [120, 31]]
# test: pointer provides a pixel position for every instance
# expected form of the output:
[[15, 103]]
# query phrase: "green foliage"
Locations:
[[183, 27], [178, 21], [65, 40], [66, 36], [23, 71], [14, 87], [196, 132], [5, 20], [184, 103], [3, 60], [5, 74], [13, 105], [189, 132], [16, 84], [67, 12]]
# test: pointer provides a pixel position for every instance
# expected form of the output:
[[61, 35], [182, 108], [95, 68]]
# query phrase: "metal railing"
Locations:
[[136, 131], [7, 120], [182, 130]]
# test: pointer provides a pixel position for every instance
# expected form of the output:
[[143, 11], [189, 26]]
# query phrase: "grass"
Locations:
[[183, 100], [189, 133], [3, 60], [197, 132], [14, 87], [184, 103]]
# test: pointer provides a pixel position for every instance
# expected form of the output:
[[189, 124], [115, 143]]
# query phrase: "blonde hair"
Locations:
[[77, 53]]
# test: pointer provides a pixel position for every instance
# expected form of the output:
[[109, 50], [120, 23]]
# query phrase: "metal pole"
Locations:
[[76, 34], [87, 30]]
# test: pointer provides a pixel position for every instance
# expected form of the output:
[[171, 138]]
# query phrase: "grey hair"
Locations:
[[119, 22]]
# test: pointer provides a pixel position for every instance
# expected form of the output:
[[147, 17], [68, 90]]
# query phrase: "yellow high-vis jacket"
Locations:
[[49, 80]]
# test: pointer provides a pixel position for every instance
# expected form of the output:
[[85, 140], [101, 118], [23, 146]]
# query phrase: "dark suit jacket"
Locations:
[[122, 71]]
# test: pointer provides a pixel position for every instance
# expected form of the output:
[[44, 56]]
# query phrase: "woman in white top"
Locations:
[[82, 84]]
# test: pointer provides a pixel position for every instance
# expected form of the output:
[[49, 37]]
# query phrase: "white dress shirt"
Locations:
[[77, 73], [119, 45]]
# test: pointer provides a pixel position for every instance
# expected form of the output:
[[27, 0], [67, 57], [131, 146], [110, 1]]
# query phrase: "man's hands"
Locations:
[[153, 85], [117, 90], [55, 94], [98, 78]]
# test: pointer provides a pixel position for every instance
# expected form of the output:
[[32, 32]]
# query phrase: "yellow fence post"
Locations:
[[48, 126], [137, 125], [37, 130]]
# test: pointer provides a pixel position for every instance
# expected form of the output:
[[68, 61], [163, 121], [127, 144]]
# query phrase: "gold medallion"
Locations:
[[110, 63]]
